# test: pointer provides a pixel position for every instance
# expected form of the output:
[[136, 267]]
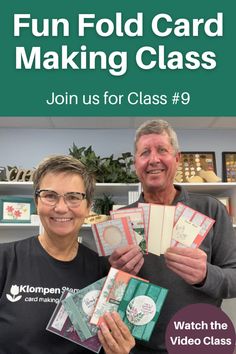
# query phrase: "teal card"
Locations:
[[141, 306], [80, 306]]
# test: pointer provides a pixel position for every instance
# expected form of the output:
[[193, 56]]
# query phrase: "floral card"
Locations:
[[79, 307], [16, 210], [101, 305], [140, 307], [61, 325], [197, 224], [111, 234], [111, 294], [185, 232]]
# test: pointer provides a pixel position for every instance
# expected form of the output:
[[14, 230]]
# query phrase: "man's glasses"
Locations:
[[48, 197]]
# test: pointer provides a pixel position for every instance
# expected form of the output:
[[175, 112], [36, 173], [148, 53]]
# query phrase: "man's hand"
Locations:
[[114, 335], [190, 264], [129, 259]]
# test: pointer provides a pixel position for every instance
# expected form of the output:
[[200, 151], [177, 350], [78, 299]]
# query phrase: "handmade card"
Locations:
[[101, 304], [111, 234], [155, 229], [167, 227], [16, 209], [178, 211], [194, 225], [161, 220], [80, 306], [111, 294], [185, 232], [146, 215], [61, 325], [140, 307], [136, 216]]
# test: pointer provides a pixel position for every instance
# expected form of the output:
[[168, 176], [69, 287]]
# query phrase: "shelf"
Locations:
[[120, 193], [119, 189], [17, 225], [15, 188], [215, 189]]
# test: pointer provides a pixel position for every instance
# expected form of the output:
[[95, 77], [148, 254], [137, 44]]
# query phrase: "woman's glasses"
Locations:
[[48, 197]]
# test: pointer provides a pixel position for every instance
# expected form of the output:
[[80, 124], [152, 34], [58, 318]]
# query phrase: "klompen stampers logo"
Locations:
[[31, 293], [14, 294]]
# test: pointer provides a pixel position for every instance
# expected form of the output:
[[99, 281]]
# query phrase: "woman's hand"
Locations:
[[114, 335]]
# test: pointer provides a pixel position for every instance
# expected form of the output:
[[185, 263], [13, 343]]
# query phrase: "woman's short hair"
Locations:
[[68, 164]]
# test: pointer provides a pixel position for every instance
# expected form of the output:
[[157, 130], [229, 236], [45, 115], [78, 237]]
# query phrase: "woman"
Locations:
[[35, 271]]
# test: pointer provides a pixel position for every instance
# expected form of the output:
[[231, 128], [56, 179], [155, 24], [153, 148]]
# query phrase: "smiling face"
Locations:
[[156, 163], [61, 220]]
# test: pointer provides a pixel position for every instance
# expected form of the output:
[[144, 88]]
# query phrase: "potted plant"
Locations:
[[106, 169]]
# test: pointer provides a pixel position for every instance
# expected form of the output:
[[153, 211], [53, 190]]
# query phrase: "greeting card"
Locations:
[[79, 307], [169, 225], [146, 215], [111, 294], [191, 227], [136, 216], [161, 221], [140, 307], [61, 325], [111, 234]]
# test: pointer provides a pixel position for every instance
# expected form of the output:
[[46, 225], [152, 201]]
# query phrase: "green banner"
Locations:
[[126, 58]]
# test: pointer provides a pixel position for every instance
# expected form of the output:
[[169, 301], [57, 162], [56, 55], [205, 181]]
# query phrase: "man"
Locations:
[[203, 275]]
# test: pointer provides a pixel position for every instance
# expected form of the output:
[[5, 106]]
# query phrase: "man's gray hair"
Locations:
[[157, 126]]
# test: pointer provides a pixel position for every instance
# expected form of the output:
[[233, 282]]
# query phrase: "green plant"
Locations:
[[106, 169], [103, 205]]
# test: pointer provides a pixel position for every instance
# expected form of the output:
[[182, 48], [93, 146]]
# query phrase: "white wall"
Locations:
[[27, 147]]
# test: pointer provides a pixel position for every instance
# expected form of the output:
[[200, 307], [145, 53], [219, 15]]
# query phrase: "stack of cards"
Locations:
[[78, 315], [111, 294], [138, 302], [60, 324], [153, 227], [179, 226]]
